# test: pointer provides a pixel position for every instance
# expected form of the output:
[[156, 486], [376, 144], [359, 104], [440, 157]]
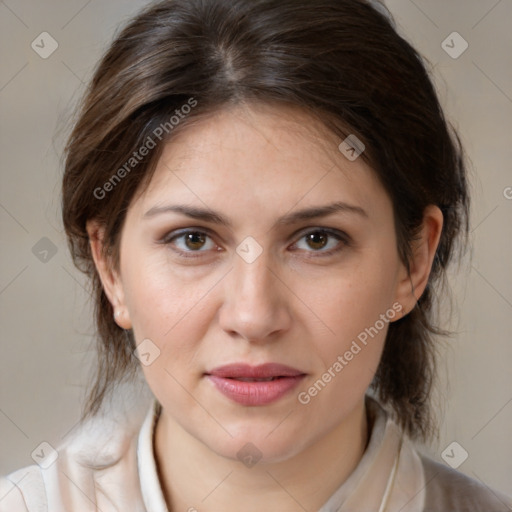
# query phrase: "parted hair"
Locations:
[[341, 61]]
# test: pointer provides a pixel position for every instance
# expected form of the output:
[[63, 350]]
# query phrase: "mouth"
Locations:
[[249, 379], [255, 385]]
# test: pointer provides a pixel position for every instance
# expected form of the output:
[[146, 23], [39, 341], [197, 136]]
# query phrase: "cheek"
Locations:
[[165, 306], [155, 295], [355, 305], [345, 362], [350, 299]]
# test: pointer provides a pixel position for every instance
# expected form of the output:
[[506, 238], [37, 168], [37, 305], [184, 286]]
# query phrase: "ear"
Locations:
[[110, 279], [412, 284]]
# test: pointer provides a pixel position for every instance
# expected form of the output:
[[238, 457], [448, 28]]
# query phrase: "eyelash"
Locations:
[[338, 235]]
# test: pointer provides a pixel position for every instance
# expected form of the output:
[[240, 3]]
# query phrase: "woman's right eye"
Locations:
[[190, 241]]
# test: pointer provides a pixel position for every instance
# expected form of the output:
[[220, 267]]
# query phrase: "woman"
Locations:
[[264, 195]]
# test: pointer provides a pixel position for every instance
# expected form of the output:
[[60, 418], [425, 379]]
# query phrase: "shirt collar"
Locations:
[[389, 476], [152, 493]]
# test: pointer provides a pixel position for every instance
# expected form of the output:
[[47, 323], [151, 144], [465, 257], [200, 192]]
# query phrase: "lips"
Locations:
[[255, 385]]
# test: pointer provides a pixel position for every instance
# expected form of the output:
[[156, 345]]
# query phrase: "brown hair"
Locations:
[[340, 60]]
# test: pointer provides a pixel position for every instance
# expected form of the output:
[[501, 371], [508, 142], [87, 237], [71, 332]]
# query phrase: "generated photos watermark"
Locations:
[[343, 360], [149, 143]]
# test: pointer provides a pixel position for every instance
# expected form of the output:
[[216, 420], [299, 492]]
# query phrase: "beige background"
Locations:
[[46, 322]]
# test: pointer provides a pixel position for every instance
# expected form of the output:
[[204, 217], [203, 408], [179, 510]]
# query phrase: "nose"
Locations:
[[256, 301]]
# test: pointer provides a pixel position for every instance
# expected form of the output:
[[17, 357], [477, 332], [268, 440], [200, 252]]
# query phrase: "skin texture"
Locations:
[[293, 305]]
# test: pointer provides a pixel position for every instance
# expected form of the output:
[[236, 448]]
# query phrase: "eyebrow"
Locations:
[[208, 215]]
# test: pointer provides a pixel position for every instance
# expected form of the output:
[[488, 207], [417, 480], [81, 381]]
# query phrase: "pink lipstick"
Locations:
[[255, 385]]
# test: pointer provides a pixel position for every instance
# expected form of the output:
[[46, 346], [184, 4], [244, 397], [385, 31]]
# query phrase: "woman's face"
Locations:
[[279, 281]]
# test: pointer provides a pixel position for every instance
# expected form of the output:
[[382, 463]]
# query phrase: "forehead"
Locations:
[[263, 155]]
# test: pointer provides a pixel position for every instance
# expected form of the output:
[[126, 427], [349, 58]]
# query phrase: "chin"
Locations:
[[259, 443]]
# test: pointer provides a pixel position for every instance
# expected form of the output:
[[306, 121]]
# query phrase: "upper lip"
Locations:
[[262, 371]]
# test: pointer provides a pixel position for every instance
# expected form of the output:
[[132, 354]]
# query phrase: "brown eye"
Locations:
[[189, 242], [317, 239], [194, 240], [322, 242]]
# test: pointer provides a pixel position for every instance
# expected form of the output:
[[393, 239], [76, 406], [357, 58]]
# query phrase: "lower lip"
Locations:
[[255, 393]]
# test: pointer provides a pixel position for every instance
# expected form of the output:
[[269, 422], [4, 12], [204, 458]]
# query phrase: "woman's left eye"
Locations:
[[324, 241]]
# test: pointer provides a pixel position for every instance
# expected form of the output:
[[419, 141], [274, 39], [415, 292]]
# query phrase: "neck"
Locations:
[[194, 477]]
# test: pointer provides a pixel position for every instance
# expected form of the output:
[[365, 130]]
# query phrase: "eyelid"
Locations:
[[169, 235], [336, 233]]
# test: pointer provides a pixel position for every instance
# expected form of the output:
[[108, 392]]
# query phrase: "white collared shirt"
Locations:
[[109, 465]]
